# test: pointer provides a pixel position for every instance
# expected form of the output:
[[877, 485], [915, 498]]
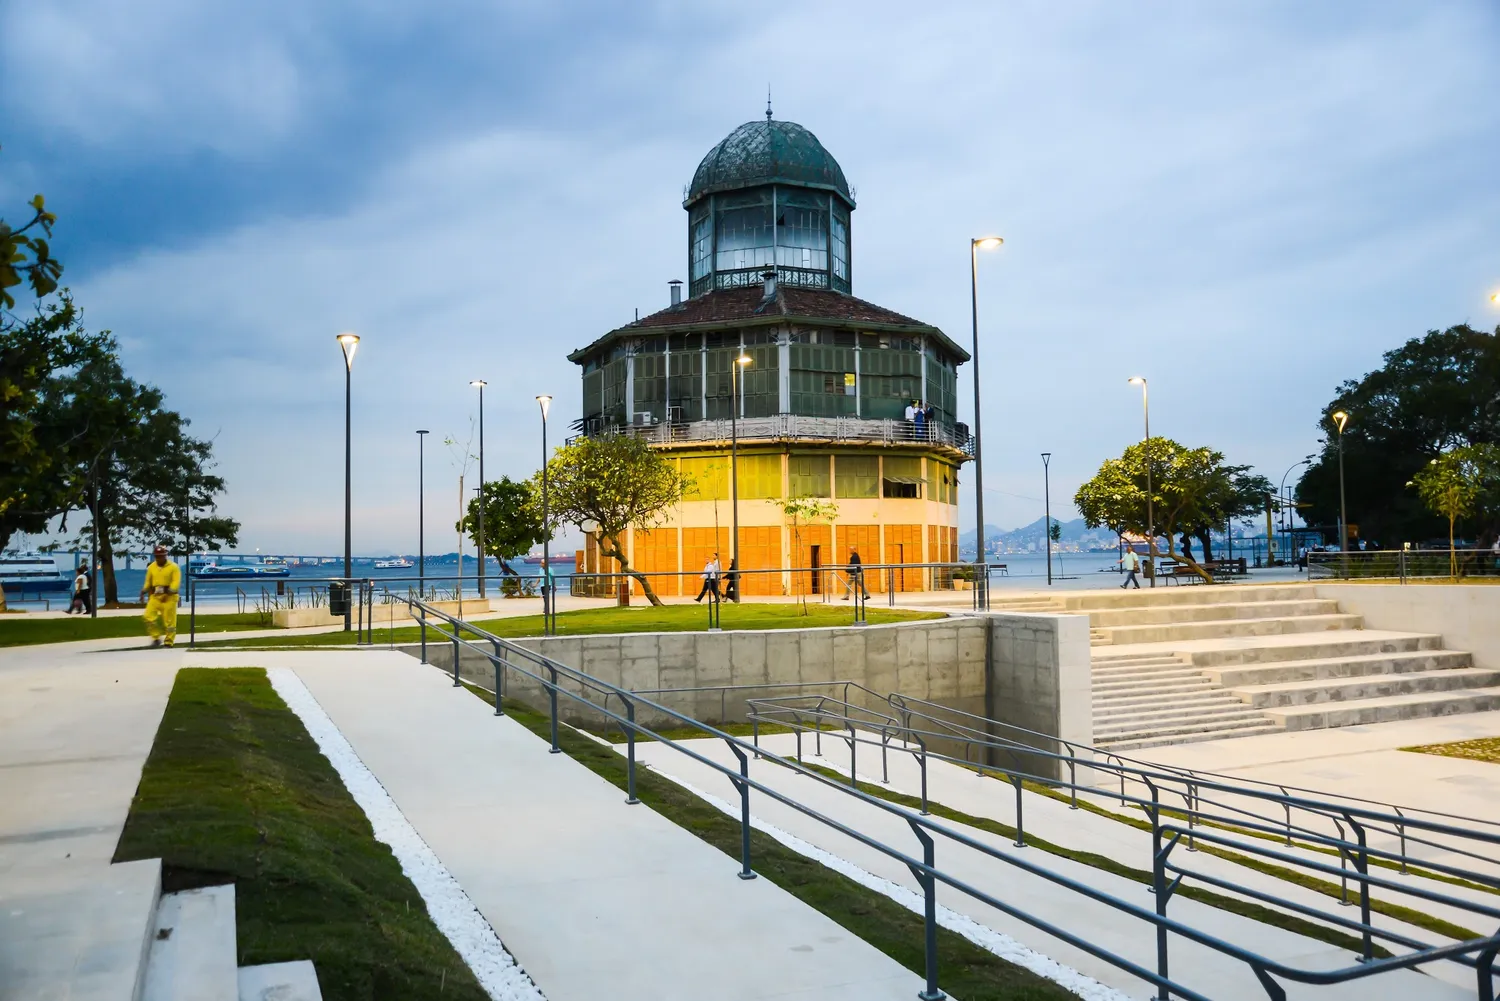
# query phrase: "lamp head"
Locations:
[[478, 382], [546, 403], [348, 343], [743, 359], [422, 431], [1495, 297], [987, 242], [1340, 418], [1136, 380]]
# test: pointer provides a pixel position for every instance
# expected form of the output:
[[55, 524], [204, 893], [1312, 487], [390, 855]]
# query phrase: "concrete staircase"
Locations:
[[1181, 664], [91, 934]]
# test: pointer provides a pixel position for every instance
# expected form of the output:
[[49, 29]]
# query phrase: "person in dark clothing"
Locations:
[[732, 581], [856, 576]]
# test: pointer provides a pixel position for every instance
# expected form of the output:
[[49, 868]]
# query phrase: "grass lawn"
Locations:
[[1481, 749], [22, 630], [236, 791], [636, 619], [964, 969]]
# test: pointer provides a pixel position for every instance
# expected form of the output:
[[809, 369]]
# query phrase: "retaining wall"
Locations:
[[1467, 616]]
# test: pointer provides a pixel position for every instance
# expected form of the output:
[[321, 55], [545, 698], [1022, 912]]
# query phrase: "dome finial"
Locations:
[[768, 102]]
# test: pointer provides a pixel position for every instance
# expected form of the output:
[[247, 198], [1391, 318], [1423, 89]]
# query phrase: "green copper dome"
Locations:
[[766, 152]]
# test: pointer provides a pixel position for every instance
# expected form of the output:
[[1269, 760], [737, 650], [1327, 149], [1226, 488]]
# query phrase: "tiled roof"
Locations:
[[748, 305]]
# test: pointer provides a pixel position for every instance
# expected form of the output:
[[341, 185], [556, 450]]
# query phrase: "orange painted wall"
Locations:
[[655, 554], [801, 544], [866, 539]]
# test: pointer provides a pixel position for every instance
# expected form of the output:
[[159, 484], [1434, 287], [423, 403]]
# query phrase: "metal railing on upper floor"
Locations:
[[796, 427]]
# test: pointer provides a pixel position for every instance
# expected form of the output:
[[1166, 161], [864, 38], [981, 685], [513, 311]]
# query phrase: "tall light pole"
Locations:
[[545, 402], [1047, 510], [1288, 524], [481, 384], [1341, 418], [975, 246], [348, 343], [734, 463], [1150, 506], [422, 514]]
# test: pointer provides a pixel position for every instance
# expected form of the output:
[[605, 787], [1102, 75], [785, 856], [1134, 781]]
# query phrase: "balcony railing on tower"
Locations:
[[794, 427]]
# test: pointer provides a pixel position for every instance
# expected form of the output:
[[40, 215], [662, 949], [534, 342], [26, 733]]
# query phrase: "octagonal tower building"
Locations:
[[820, 406]]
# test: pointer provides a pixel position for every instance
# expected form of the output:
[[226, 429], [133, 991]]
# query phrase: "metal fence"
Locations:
[[1212, 812], [793, 427], [1403, 564]]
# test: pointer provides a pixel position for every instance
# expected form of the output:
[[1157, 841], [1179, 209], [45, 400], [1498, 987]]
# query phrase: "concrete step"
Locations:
[[296, 981], [1159, 724], [1303, 693], [1169, 714], [1196, 683], [79, 932], [1223, 628], [193, 951], [1163, 740], [1197, 702], [1385, 709], [1174, 670], [1087, 601], [1103, 618], [1105, 660], [1333, 668], [1345, 644]]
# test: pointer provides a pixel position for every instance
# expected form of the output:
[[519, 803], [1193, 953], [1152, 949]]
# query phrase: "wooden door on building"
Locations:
[[903, 544], [655, 554], [806, 541], [760, 549], [864, 539]]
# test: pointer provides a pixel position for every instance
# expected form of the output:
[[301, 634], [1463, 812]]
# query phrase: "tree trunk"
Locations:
[[106, 559], [1452, 554], [1206, 538], [615, 554], [1207, 577], [505, 567]]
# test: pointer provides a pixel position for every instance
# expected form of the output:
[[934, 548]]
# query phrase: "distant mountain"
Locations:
[[1018, 539]]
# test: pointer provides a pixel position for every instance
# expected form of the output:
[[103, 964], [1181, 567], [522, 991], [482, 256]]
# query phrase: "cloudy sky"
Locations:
[[1245, 202]]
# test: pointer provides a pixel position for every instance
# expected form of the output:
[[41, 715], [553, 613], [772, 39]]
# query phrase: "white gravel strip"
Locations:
[[985, 937], [451, 909]]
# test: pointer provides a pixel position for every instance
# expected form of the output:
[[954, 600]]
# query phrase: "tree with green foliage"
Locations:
[[609, 484], [137, 472], [1454, 485], [1432, 394], [25, 255], [1190, 488], [512, 520], [800, 511]]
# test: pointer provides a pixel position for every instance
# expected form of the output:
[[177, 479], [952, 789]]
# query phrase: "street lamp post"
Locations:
[[981, 579], [734, 465], [1289, 522], [1047, 510], [1150, 506], [1341, 418], [481, 384], [348, 343], [548, 612], [422, 514]]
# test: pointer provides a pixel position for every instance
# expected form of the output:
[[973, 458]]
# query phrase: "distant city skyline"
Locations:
[[1247, 204]]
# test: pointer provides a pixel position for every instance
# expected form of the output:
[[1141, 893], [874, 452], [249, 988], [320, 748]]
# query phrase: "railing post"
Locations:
[[455, 655], [922, 762], [1401, 833], [1484, 963], [1072, 777], [928, 883], [1163, 897], [499, 678], [422, 622], [1192, 805], [1362, 866], [853, 743], [1020, 823], [1343, 866], [742, 783], [552, 699], [630, 752]]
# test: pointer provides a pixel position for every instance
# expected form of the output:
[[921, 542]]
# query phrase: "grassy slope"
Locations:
[[964, 969], [236, 790], [1481, 749], [21, 630], [666, 619]]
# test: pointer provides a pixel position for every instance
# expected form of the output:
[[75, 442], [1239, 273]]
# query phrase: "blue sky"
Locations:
[[1245, 202]]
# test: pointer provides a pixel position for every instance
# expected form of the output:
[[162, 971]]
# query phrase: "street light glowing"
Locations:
[[1136, 380], [1340, 418], [348, 343], [742, 360], [478, 382], [988, 242], [546, 403]]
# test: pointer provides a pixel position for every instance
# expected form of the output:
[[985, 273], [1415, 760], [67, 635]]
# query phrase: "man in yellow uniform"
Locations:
[[160, 594]]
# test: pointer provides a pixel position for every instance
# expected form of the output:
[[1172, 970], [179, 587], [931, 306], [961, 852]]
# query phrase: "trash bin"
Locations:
[[338, 600]]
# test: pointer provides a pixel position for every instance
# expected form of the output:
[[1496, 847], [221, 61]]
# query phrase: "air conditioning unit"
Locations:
[[642, 418]]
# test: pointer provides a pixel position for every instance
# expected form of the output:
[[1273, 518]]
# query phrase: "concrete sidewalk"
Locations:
[[594, 898]]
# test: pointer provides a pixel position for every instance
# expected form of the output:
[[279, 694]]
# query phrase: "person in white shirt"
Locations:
[[710, 578], [81, 594], [1131, 562]]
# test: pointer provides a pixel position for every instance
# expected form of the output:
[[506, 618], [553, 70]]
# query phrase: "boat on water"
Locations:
[[399, 563], [263, 570], [32, 573]]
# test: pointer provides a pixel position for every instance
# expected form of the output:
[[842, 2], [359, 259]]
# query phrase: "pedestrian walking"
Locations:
[[159, 592], [732, 581], [856, 576], [1131, 562], [83, 596], [710, 579]]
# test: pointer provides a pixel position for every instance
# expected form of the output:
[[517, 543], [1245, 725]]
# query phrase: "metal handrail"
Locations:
[[504, 656]]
